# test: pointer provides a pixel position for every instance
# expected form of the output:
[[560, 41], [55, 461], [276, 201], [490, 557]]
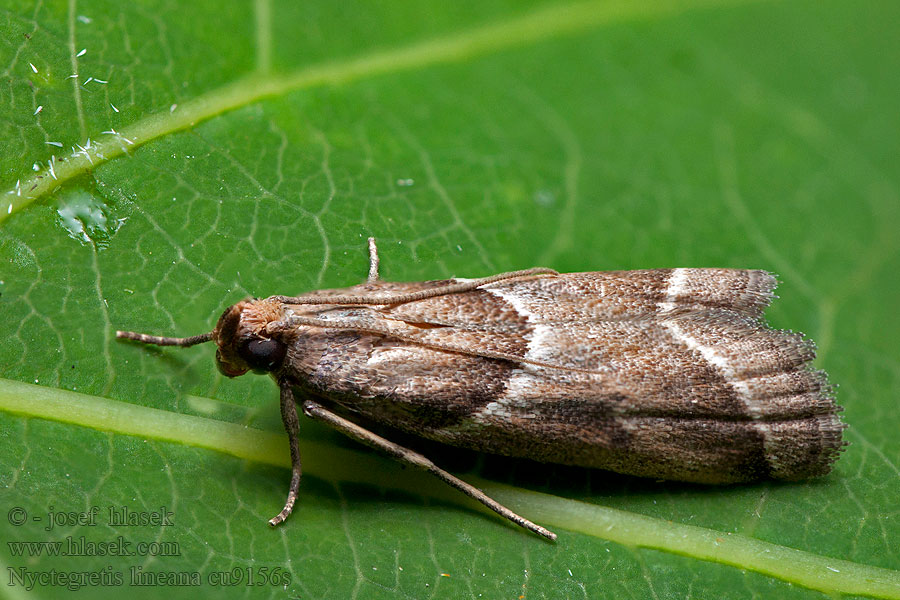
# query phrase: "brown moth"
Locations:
[[664, 373]]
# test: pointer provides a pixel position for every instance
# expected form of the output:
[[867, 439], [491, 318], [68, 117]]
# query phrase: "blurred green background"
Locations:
[[250, 148]]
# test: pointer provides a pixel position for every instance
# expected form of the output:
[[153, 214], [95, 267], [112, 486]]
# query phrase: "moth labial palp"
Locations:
[[663, 373]]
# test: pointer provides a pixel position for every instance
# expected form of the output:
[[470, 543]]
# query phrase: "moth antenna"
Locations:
[[452, 288], [157, 340]]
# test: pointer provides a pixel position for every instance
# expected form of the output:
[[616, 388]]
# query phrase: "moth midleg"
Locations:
[[373, 261], [317, 411], [292, 426]]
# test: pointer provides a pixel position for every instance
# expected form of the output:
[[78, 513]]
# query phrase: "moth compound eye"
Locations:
[[262, 355]]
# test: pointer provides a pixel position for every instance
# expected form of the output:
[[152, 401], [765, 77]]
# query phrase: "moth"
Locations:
[[663, 373]]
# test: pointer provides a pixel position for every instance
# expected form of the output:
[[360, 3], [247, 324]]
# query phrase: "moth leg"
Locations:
[[292, 426], [317, 411], [373, 261]]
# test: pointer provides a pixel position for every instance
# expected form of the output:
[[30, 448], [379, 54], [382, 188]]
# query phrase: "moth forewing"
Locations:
[[666, 373]]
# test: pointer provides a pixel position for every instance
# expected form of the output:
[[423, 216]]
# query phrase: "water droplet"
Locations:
[[544, 198], [87, 219]]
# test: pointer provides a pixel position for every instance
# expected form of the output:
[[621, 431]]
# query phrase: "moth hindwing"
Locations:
[[664, 373]]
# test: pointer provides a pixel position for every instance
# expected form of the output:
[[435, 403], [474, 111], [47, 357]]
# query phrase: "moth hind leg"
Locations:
[[405, 455]]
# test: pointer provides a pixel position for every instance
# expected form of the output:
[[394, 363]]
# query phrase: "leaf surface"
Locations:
[[247, 150]]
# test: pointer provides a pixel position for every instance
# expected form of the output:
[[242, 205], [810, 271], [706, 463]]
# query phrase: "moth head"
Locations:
[[240, 334], [243, 344]]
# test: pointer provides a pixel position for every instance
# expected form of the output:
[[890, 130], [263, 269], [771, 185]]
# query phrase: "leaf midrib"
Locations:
[[535, 26], [796, 566]]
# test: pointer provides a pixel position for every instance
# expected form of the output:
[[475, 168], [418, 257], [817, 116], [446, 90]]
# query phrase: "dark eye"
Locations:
[[262, 355]]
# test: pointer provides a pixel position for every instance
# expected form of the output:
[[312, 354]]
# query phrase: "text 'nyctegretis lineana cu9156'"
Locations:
[[665, 373]]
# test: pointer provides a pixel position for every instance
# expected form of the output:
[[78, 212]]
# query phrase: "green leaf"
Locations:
[[250, 150]]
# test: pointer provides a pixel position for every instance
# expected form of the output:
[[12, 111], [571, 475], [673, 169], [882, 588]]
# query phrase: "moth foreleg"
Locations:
[[373, 261], [292, 426], [317, 411]]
